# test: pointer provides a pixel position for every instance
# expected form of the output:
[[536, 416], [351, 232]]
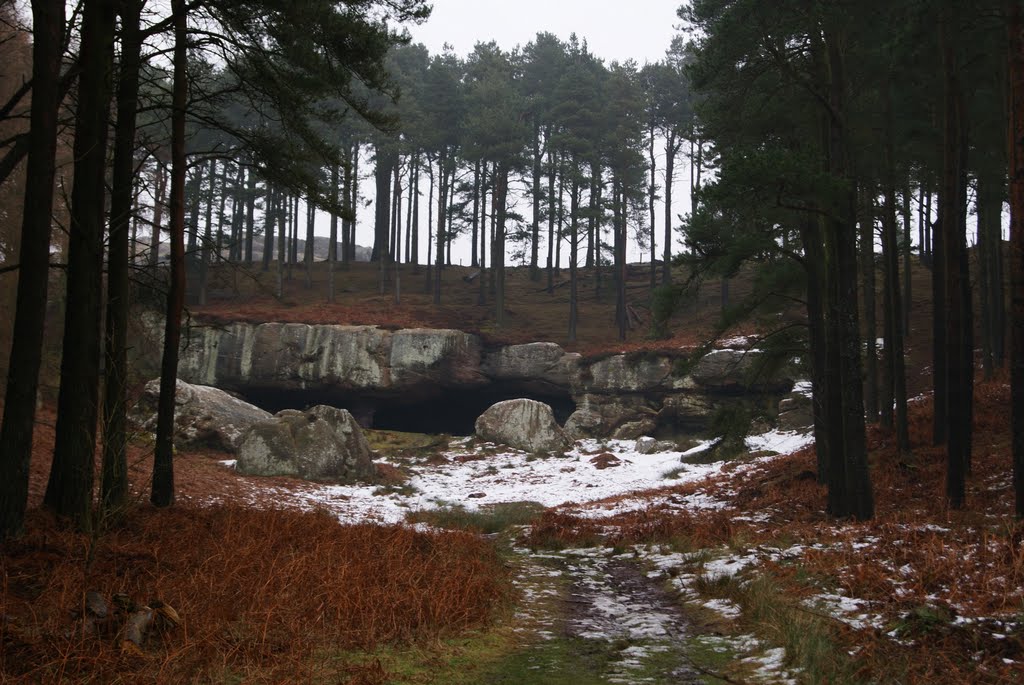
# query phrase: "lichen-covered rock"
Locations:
[[292, 356], [633, 373], [583, 423], [686, 412], [322, 444], [443, 357], [648, 445], [203, 416], [524, 424], [724, 368], [635, 429], [600, 416], [543, 362]]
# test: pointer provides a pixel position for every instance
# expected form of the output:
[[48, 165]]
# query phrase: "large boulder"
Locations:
[[322, 444], [524, 424], [203, 416]]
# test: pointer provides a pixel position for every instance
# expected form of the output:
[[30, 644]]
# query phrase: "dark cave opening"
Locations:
[[453, 412]]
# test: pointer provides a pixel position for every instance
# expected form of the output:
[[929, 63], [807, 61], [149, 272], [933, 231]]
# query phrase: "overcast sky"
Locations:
[[615, 30]]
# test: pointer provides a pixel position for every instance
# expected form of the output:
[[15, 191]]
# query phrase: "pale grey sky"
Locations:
[[615, 30]]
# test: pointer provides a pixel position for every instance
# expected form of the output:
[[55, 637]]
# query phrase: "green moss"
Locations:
[[491, 519]]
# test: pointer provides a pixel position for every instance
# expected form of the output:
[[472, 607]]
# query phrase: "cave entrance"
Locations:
[[453, 412]]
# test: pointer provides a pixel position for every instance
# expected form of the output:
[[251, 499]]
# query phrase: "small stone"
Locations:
[[477, 495]]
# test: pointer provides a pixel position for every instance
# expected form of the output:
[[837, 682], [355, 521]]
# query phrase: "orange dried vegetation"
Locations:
[[264, 596]]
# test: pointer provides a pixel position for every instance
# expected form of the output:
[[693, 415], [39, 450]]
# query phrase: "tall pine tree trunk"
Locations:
[[867, 277], [442, 220], [332, 244], [952, 206], [551, 216], [849, 443], [894, 340], [574, 233], [33, 276], [162, 490], [158, 212], [114, 483], [1016, 174], [650, 200], [69, 490], [671, 150], [498, 253], [535, 225]]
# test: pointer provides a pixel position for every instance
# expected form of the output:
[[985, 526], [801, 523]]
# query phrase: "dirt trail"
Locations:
[[589, 617]]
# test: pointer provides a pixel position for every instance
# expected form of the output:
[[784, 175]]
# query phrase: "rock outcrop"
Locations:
[[365, 369], [322, 444], [524, 424], [291, 356], [203, 416]]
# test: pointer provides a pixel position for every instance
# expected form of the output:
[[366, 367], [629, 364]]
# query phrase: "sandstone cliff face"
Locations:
[[300, 356], [619, 394]]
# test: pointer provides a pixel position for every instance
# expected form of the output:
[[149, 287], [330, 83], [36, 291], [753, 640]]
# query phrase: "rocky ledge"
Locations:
[[365, 368]]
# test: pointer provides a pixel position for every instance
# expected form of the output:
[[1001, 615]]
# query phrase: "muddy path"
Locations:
[[587, 616]]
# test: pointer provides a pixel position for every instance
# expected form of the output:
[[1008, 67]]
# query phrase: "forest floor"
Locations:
[[662, 569], [467, 564]]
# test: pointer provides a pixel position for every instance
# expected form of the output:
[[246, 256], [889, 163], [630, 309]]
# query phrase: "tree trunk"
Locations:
[[114, 483], [33, 276], [162, 491], [307, 256], [895, 414], [1016, 174], [204, 248], [250, 215], [535, 225], [429, 283], [69, 490], [332, 244], [952, 205], [551, 216], [619, 223], [650, 200], [475, 226], [409, 206], [867, 277], [482, 293], [382, 203], [498, 253], [671, 150], [561, 214], [442, 211], [814, 263], [158, 213], [414, 244], [268, 227], [990, 247], [849, 440], [283, 203], [574, 207]]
